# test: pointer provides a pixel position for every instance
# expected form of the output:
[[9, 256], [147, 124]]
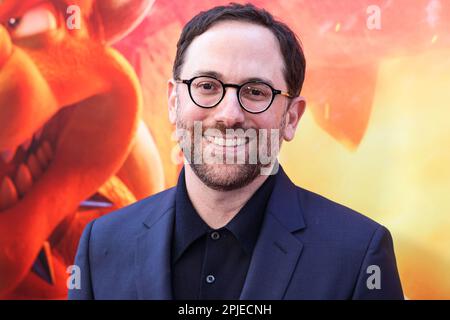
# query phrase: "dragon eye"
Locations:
[[37, 20], [13, 23]]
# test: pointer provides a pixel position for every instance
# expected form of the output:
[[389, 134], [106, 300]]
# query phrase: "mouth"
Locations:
[[22, 166], [231, 142], [229, 149]]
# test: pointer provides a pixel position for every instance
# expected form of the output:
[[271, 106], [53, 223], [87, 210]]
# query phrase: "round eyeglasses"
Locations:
[[253, 96]]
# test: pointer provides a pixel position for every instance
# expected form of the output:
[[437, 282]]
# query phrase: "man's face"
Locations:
[[235, 52]]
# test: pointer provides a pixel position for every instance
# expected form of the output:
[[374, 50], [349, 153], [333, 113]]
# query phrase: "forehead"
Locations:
[[236, 50]]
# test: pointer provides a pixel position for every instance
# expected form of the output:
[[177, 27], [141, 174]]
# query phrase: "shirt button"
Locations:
[[210, 278], [215, 235]]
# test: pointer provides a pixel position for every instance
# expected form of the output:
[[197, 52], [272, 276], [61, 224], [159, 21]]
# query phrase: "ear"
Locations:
[[172, 100], [293, 115]]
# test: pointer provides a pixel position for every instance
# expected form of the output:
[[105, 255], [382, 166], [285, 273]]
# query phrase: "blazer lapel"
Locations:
[[277, 250], [153, 250]]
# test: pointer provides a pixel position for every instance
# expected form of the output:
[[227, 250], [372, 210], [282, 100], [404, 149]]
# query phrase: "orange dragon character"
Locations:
[[72, 145]]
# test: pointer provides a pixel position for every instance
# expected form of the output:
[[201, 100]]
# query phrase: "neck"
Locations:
[[215, 207]]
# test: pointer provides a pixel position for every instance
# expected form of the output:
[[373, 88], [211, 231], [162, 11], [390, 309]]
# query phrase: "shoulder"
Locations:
[[341, 245], [329, 221], [319, 209], [129, 220]]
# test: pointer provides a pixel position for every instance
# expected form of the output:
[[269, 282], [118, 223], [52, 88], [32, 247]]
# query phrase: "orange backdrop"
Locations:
[[376, 134]]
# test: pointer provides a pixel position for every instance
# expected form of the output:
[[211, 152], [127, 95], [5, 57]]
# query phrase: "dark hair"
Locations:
[[291, 50]]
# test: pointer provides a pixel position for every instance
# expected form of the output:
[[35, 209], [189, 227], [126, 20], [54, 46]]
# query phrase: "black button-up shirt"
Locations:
[[213, 264]]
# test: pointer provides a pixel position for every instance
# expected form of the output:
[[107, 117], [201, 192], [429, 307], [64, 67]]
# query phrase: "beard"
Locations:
[[226, 175]]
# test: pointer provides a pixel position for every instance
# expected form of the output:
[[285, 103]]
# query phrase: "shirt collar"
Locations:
[[245, 225], [188, 224]]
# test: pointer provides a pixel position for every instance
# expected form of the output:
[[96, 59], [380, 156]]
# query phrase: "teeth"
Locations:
[[240, 141], [23, 179], [229, 142], [42, 158], [47, 149], [8, 194], [11, 190], [33, 165], [7, 155]]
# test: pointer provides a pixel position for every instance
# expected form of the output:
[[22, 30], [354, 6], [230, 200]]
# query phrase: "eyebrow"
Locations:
[[219, 76]]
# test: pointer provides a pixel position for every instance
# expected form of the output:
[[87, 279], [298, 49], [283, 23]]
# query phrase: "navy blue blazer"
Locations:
[[308, 248]]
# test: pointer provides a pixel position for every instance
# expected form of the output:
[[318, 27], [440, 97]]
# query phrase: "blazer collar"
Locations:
[[153, 249], [277, 251], [284, 203]]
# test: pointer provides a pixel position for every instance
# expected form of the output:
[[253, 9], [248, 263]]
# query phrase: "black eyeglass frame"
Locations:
[[238, 90]]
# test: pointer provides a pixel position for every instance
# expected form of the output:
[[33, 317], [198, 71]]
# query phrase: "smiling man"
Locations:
[[235, 226]]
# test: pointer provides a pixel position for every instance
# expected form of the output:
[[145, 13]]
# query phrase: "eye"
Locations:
[[13, 23], [38, 20], [207, 87], [256, 91]]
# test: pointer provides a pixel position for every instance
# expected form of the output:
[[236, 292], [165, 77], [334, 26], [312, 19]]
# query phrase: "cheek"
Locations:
[[270, 119], [188, 112]]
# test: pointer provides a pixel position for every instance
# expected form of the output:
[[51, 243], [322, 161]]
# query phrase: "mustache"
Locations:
[[222, 128]]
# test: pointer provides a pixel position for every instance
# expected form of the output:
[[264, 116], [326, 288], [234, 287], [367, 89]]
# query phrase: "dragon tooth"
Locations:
[[47, 150], [34, 166], [41, 157], [23, 179], [8, 193]]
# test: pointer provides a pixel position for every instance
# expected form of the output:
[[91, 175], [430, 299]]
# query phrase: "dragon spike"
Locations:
[[43, 265]]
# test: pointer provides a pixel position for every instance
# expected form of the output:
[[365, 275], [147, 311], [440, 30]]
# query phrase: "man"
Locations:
[[235, 227]]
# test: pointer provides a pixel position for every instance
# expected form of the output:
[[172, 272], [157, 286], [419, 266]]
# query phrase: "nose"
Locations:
[[5, 46], [229, 111]]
